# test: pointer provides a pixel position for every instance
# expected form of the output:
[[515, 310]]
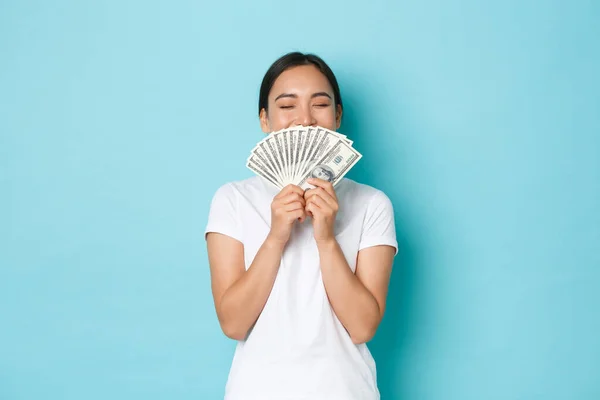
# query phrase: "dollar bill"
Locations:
[[261, 170], [272, 148], [265, 158], [300, 135], [278, 139], [333, 164], [291, 155]]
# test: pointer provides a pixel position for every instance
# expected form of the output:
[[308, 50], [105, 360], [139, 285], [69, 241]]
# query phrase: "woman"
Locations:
[[300, 278]]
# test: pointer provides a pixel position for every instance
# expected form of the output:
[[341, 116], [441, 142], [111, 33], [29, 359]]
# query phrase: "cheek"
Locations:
[[325, 118], [279, 119]]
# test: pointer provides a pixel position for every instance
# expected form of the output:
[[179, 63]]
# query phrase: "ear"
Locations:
[[264, 121], [338, 116]]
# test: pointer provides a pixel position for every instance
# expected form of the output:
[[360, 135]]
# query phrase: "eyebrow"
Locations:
[[295, 96]]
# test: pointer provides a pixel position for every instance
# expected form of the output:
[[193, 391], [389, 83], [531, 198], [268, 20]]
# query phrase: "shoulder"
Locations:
[[252, 183], [362, 193], [365, 203], [254, 191], [226, 215], [374, 209]]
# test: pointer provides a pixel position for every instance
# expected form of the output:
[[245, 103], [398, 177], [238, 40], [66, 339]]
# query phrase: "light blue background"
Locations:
[[119, 120]]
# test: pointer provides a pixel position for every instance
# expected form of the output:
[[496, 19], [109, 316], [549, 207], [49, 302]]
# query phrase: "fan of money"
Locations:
[[293, 155]]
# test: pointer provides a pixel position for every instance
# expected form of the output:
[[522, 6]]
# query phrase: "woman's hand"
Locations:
[[286, 208], [322, 205]]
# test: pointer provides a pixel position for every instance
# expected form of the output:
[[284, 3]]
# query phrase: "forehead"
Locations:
[[304, 78]]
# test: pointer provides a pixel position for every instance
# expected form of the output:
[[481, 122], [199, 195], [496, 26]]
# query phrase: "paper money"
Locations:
[[293, 155], [332, 165]]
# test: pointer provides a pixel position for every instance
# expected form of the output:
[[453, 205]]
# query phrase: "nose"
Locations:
[[306, 118]]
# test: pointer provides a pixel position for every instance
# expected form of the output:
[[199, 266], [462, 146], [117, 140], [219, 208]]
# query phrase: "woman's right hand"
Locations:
[[287, 207]]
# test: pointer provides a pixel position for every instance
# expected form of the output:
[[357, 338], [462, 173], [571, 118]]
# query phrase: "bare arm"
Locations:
[[240, 295], [358, 299]]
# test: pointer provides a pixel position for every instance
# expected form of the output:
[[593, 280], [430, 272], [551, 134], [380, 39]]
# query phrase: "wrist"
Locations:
[[275, 243], [328, 244]]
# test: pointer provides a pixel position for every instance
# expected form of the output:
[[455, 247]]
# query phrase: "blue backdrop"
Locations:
[[119, 120]]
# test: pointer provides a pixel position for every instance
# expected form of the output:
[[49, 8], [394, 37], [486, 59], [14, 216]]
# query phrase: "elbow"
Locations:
[[363, 335], [365, 331], [233, 331], [230, 325]]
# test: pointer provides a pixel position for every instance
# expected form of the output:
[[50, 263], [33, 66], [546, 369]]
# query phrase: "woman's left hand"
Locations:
[[322, 205]]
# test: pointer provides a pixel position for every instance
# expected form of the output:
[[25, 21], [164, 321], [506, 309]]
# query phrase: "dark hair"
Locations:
[[288, 61]]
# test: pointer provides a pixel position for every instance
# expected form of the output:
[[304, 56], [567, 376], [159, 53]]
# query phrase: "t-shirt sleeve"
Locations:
[[223, 214], [379, 227]]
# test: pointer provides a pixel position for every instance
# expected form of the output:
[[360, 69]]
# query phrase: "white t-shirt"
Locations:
[[298, 349]]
